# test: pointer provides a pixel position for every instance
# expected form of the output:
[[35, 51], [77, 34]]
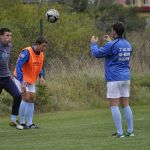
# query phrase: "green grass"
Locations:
[[76, 130]]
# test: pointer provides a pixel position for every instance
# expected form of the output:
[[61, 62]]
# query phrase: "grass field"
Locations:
[[76, 130]]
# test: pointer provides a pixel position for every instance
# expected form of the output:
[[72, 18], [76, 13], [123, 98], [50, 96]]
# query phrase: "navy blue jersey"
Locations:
[[4, 59]]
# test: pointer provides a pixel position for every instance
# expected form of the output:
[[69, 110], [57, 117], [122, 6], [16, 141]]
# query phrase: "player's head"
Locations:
[[5, 35], [118, 29], [41, 43]]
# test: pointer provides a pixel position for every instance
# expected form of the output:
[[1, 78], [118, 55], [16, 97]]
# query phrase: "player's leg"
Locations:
[[3, 81], [1, 88], [23, 108], [30, 111], [1, 85], [24, 103], [30, 108], [11, 88], [124, 100], [113, 95]]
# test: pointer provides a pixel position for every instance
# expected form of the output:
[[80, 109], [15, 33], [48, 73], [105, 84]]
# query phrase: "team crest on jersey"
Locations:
[[22, 55]]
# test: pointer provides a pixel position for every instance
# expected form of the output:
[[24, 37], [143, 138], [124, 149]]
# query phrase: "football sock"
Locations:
[[129, 118], [22, 111], [30, 111], [13, 118], [116, 115]]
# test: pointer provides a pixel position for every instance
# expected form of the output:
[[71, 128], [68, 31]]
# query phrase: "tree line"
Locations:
[[69, 37]]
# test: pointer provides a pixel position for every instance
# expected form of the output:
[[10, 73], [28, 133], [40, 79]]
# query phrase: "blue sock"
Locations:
[[129, 118], [13, 118], [22, 111], [116, 115], [30, 111]]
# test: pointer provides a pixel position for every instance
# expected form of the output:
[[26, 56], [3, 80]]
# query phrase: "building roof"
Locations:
[[144, 9]]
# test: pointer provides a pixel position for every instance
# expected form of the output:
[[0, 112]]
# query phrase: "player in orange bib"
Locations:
[[28, 70]]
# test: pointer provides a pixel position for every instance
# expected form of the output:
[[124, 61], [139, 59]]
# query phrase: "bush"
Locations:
[[5, 102], [43, 97]]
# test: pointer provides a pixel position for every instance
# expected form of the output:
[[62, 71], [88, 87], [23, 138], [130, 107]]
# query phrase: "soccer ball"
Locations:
[[52, 15]]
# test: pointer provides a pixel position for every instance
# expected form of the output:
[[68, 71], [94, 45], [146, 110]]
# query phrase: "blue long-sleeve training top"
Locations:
[[23, 58], [117, 57]]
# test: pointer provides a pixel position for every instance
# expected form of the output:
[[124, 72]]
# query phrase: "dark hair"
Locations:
[[3, 30], [41, 40], [118, 28]]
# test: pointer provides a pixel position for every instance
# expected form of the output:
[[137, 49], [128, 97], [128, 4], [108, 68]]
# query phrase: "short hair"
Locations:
[[3, 30], [118, 28], [41, 40]]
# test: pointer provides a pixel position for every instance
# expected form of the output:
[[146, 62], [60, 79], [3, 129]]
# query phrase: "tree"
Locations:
[[106, 16], [102, 3], [80, 5]]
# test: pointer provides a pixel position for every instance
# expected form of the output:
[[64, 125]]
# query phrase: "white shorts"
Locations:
[[118, 89], [29, 87]]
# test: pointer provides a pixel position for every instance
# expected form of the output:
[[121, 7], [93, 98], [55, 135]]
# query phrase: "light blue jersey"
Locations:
[[117, 57]]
